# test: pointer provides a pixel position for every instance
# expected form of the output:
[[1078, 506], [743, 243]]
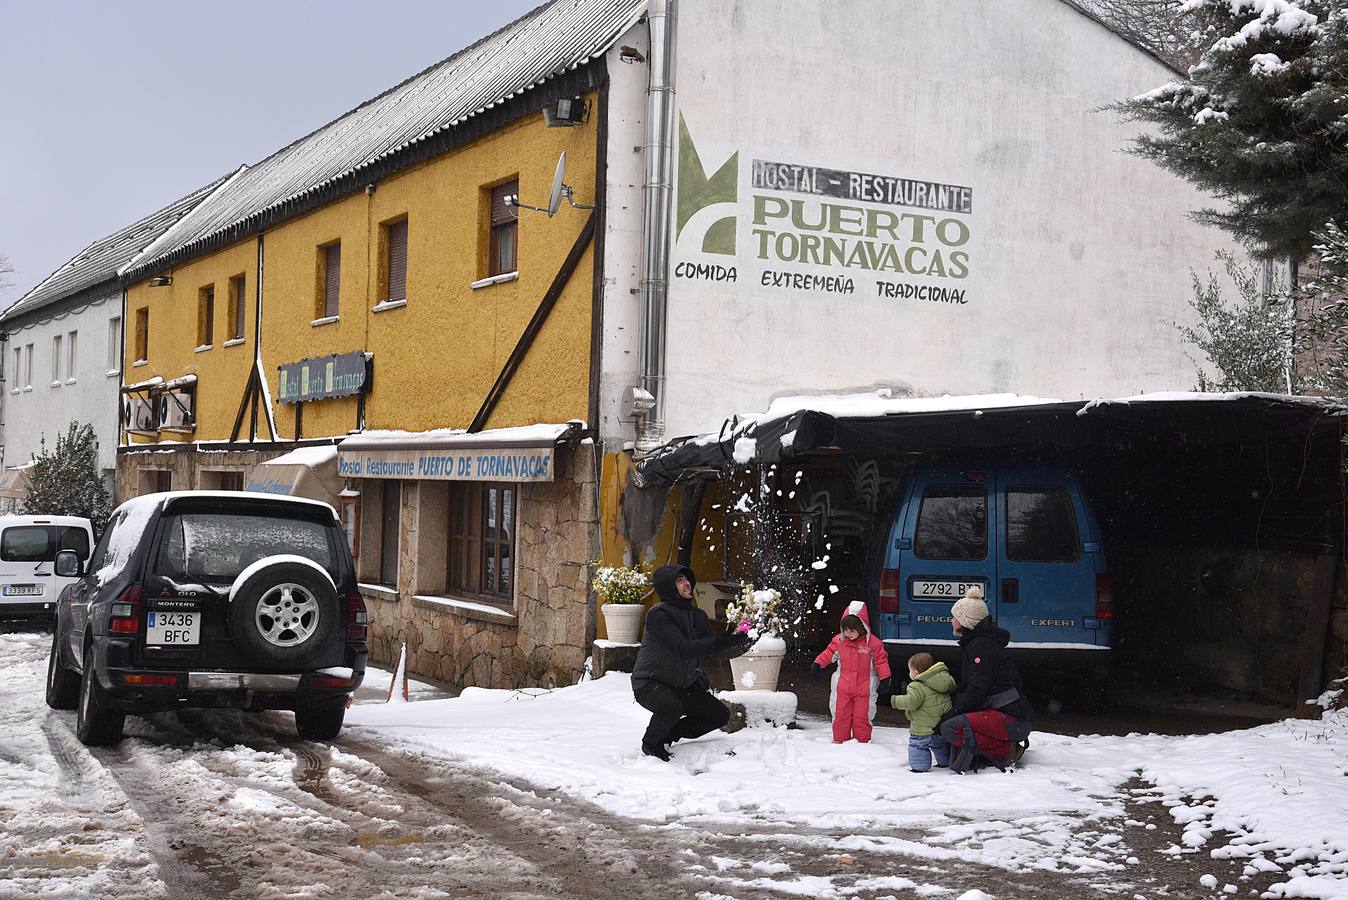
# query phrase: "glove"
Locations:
[[726, 641], [883, 692], [816, 671]]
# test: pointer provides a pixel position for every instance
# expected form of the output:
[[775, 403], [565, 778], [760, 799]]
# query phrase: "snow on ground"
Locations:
[[89, 842], [1273, 796]]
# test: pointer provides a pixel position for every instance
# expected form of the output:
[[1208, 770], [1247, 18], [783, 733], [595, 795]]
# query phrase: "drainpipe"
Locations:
[[655, 234]]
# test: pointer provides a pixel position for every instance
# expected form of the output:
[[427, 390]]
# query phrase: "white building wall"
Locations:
[[1078, 255], [45, 409]]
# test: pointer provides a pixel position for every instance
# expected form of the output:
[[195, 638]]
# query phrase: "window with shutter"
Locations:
[[206, 316], [331, 279], [238, 306], [395, 262], [504, 230], [142, 334]]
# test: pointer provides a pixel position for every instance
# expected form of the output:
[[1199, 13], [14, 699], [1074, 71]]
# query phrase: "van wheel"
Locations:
[[285, 615], [63, 686], [320, 722], [95, 724]]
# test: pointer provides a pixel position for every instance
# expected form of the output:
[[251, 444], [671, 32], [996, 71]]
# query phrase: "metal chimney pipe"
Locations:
[[662, 20]]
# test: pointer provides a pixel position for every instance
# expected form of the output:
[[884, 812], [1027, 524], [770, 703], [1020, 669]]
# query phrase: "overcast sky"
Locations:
[[110, 111]]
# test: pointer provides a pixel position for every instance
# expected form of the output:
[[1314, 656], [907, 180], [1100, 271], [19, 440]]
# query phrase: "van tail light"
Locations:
[[331, 681], [357, 619], [125, 613], [146, 680], [1104, 595], [889, 590]]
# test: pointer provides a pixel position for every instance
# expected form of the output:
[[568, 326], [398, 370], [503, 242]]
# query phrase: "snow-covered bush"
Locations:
[[620, 584], [763, 610]]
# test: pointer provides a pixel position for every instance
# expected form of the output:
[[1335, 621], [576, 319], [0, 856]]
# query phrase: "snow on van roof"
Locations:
[[150, 501]]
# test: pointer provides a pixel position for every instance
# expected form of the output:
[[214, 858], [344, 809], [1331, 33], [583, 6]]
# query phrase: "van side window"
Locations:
[[952, 522], [76, 539], [1040, 525]]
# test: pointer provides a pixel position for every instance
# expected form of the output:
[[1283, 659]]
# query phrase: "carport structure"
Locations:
[[1222, 515]]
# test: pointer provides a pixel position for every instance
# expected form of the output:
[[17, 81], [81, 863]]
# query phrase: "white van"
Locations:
[[28, 547]]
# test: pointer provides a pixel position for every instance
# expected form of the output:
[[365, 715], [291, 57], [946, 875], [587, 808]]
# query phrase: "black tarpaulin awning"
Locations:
[[963, 424]]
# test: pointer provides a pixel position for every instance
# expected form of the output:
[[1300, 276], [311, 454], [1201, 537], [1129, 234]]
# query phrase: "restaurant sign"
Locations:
[[449, 464], [324, 377]]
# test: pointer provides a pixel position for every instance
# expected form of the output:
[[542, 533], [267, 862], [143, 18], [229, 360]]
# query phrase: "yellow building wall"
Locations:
[[435, 358], [222, 372]]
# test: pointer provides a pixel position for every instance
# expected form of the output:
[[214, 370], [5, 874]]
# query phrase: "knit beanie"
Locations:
[[970, 609]]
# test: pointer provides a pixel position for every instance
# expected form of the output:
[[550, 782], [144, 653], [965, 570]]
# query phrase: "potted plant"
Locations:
[[621, 589], [761, 615]]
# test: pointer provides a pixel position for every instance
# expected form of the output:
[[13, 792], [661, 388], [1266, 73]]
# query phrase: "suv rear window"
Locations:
[[40, 543], [953, 522], [218, 546]]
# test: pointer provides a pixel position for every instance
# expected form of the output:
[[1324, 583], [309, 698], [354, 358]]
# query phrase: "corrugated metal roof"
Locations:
[[100, 261], [550, 40]]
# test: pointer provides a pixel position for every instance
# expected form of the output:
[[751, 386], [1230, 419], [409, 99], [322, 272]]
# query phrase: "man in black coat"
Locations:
[[989, 681], [667, 679]]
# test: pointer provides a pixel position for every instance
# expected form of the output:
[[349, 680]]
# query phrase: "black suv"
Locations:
[[210, 599]]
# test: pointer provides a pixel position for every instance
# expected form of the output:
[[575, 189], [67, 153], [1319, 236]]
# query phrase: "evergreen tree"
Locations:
[[1325, 294], [1261, 121], [68, 482]]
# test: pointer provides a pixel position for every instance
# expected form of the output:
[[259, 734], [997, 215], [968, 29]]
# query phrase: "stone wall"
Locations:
[[543, 637], [187, 465]]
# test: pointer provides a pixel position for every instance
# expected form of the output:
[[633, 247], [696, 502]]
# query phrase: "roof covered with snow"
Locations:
[[542, 435], [879, 424], [554, 39], [98, 263]]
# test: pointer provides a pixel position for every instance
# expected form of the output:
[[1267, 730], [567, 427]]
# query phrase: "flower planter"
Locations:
[[622, 621], [758, 669]]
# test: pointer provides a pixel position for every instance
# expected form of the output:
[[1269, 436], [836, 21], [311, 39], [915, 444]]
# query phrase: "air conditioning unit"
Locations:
[[138, 415], [175, 411]]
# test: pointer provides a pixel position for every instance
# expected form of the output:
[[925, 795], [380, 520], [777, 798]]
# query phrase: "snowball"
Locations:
[[1208, 881]]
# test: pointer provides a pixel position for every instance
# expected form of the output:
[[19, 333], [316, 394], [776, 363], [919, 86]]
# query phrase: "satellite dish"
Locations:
[[555, 198]]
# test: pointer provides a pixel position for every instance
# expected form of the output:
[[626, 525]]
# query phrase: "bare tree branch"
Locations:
[[1157, 25]]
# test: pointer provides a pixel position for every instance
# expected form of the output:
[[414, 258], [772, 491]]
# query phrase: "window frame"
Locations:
[[466, 529], [206, 316], [328, 305], [72, 348], [501, 220], [28, 366], [388, 231], [142, 347], [388, 555], [115, 345], [56, 345], [238, 311]]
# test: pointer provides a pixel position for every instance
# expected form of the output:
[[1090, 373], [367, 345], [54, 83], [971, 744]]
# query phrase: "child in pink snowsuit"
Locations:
[[862, 674]]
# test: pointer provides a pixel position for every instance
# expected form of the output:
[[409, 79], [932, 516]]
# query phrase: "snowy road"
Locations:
[[221, 804]]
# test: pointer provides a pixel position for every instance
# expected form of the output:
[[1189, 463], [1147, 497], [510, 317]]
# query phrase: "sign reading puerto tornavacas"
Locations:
[[449, 464], [815, 228], [323, 378]]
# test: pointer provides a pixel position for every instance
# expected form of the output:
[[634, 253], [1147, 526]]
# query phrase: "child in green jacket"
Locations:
[[924, 702]]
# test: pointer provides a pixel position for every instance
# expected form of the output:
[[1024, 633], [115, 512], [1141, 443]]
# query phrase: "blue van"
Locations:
[[1025, 534]]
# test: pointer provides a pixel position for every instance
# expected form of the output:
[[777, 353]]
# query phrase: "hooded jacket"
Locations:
[[678, 633], [926, 700], [988, 675], [856, 659]]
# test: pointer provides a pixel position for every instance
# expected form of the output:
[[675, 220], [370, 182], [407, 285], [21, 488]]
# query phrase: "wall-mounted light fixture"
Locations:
[[566, 112], [630, 55], [161, 281]]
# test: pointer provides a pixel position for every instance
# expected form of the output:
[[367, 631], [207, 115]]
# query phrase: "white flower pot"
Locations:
[[758, 669], [622, 621]]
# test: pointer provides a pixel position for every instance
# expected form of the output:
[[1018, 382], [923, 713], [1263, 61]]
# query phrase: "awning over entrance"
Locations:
[[875, 425], [14, 482], [499, 454], [309, 472]]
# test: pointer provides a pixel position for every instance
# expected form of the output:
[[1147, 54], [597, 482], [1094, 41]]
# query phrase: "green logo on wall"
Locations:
[[697, 191]]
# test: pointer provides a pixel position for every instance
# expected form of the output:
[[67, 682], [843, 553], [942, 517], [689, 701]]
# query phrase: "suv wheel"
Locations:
[[95, 723], [285, 615], [320, 722], [63, 687]]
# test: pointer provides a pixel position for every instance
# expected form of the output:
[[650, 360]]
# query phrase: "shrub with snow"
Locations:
[[620, 584]]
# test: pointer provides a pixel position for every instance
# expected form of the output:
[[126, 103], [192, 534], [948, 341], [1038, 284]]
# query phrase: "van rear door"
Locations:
[[1046, 578], [943, 548]]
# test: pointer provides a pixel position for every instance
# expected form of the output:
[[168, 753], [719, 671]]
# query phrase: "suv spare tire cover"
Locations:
[[284, 611]]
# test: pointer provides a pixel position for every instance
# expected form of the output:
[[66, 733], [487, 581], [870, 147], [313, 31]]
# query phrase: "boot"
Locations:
[[655, 750]]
